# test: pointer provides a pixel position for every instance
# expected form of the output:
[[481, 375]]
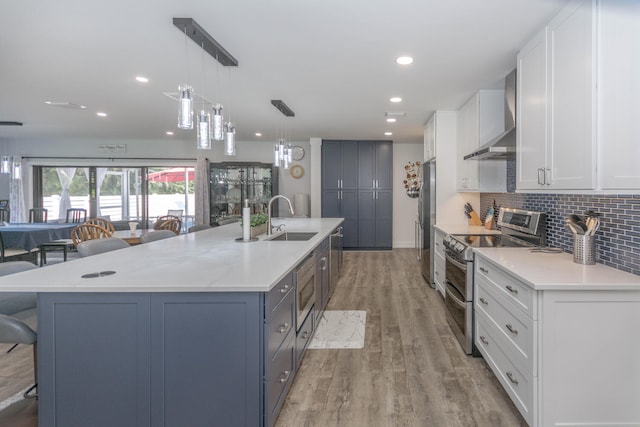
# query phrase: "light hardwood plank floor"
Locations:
[[411, 372]]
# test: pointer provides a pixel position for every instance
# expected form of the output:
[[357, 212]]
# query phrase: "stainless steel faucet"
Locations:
[[269, 231]]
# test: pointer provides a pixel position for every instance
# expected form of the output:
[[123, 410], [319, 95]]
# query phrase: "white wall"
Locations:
[[405, 209]]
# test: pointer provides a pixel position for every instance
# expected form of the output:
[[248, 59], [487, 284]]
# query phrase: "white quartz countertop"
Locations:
[[557, 271], [464, 229], [205, 261]]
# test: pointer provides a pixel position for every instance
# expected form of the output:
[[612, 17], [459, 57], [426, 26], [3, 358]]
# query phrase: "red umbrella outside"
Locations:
[[171, 175]]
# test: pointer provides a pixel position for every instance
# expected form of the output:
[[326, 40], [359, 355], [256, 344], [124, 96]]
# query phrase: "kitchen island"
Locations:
[[195, 330]]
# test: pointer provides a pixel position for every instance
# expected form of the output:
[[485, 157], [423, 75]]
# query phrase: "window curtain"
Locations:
[[65, 175], [16, 197], [202, 192], [101, 173]]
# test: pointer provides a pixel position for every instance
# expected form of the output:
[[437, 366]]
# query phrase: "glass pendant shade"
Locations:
[[185, 107], [282, 155], [17, 168], [230, 142], [204, 130], [217, 123], [5, 165]]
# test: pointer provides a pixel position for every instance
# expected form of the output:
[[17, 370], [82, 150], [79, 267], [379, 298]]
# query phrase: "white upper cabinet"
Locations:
[[430, 138], [480, 119], [556, 116], [618, 95]]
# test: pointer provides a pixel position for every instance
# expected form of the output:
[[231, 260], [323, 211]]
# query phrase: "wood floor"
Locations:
[[411, 372]]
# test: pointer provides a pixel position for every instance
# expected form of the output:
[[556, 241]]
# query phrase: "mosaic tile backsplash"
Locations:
[[617, 240]]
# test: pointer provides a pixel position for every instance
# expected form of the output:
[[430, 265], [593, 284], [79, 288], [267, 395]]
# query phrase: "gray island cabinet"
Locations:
[[207, 339]]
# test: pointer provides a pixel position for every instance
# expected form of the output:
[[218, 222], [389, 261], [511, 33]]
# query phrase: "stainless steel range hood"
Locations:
[[503, 145]]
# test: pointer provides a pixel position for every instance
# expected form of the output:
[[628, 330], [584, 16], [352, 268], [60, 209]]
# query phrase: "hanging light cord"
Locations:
[[186, 58], [204, 77]]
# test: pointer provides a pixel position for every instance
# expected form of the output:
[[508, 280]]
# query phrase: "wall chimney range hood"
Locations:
[[503, 145]]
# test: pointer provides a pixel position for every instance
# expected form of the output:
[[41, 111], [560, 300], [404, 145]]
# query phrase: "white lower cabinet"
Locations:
[[565, 357]]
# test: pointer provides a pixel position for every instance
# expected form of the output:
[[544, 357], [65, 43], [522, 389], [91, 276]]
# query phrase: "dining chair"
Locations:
[[38, 214], [76, 215], [168, 222], [103, 223], [12, 329], [84, 232], [4, 215], [16, 254], [152, 236], [99, 246], [199, 227]]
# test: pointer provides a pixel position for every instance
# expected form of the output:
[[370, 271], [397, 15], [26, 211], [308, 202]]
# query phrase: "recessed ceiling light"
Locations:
[[404, 60], [101, 114], [388, 133], [391, 120], [169, 133], [66, 104], [258, 133], [395, 99], [142, 79]]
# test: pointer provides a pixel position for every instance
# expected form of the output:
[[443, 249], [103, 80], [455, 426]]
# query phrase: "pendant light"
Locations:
[[217, 123], [203, 133], [282, 154], [185, 104], [230, 129], [5, 165]]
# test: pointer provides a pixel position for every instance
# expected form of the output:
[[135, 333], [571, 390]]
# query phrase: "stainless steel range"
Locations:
[[519, 228]]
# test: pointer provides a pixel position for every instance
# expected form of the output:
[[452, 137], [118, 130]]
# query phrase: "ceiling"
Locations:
[[331, 61]]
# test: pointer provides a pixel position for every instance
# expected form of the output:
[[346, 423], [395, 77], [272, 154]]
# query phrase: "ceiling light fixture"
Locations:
[[391, 120], [404, 60], [170, 133], [196, 33], [230, 130], [282, 107], [258, 134], [395, 99], [282, 154], [66, 104], [388, 133], [101, 114], [185, 104], [142, 79]]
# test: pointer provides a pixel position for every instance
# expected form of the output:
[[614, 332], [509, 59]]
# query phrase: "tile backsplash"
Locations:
[[617, 240]]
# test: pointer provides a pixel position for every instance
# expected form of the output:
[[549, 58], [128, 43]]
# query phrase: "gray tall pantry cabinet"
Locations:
[[357, 186]]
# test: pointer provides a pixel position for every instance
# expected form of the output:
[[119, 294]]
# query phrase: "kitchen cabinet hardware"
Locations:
[[512, 289], [484, 270], [484, 340], [285, 377], [306, 334], [484, 301], [511, 378], [511, 329], [283, 328], [285, 289]]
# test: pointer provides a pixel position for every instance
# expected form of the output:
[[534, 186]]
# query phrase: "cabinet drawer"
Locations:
[[280, 321], [280, 373], [439, 269], [437, 243], [304, 335], [518, 384], [517, 329], [279, 292], [514, 290]]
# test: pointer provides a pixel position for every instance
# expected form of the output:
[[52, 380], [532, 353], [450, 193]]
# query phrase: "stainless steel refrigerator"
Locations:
[[426, 220]]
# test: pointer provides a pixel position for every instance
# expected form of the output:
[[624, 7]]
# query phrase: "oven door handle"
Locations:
[[457, 301], [450, 259]]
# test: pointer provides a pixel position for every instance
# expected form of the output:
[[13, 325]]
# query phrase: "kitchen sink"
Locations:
[[292, 236]]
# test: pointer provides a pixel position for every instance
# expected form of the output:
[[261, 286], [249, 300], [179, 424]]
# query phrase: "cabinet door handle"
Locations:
[[512, 290], [511, 329], [484, 270], [547, 176], [484, 301], [541, 176], [511, 378], [306, 335], [324, 262], [283, 328], [284, 289], [285, 377], [484, 340]]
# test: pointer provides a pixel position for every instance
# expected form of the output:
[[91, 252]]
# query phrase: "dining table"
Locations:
[[29, 236]]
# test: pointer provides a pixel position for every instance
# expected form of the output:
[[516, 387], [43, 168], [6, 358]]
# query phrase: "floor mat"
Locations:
[[340, 329]]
